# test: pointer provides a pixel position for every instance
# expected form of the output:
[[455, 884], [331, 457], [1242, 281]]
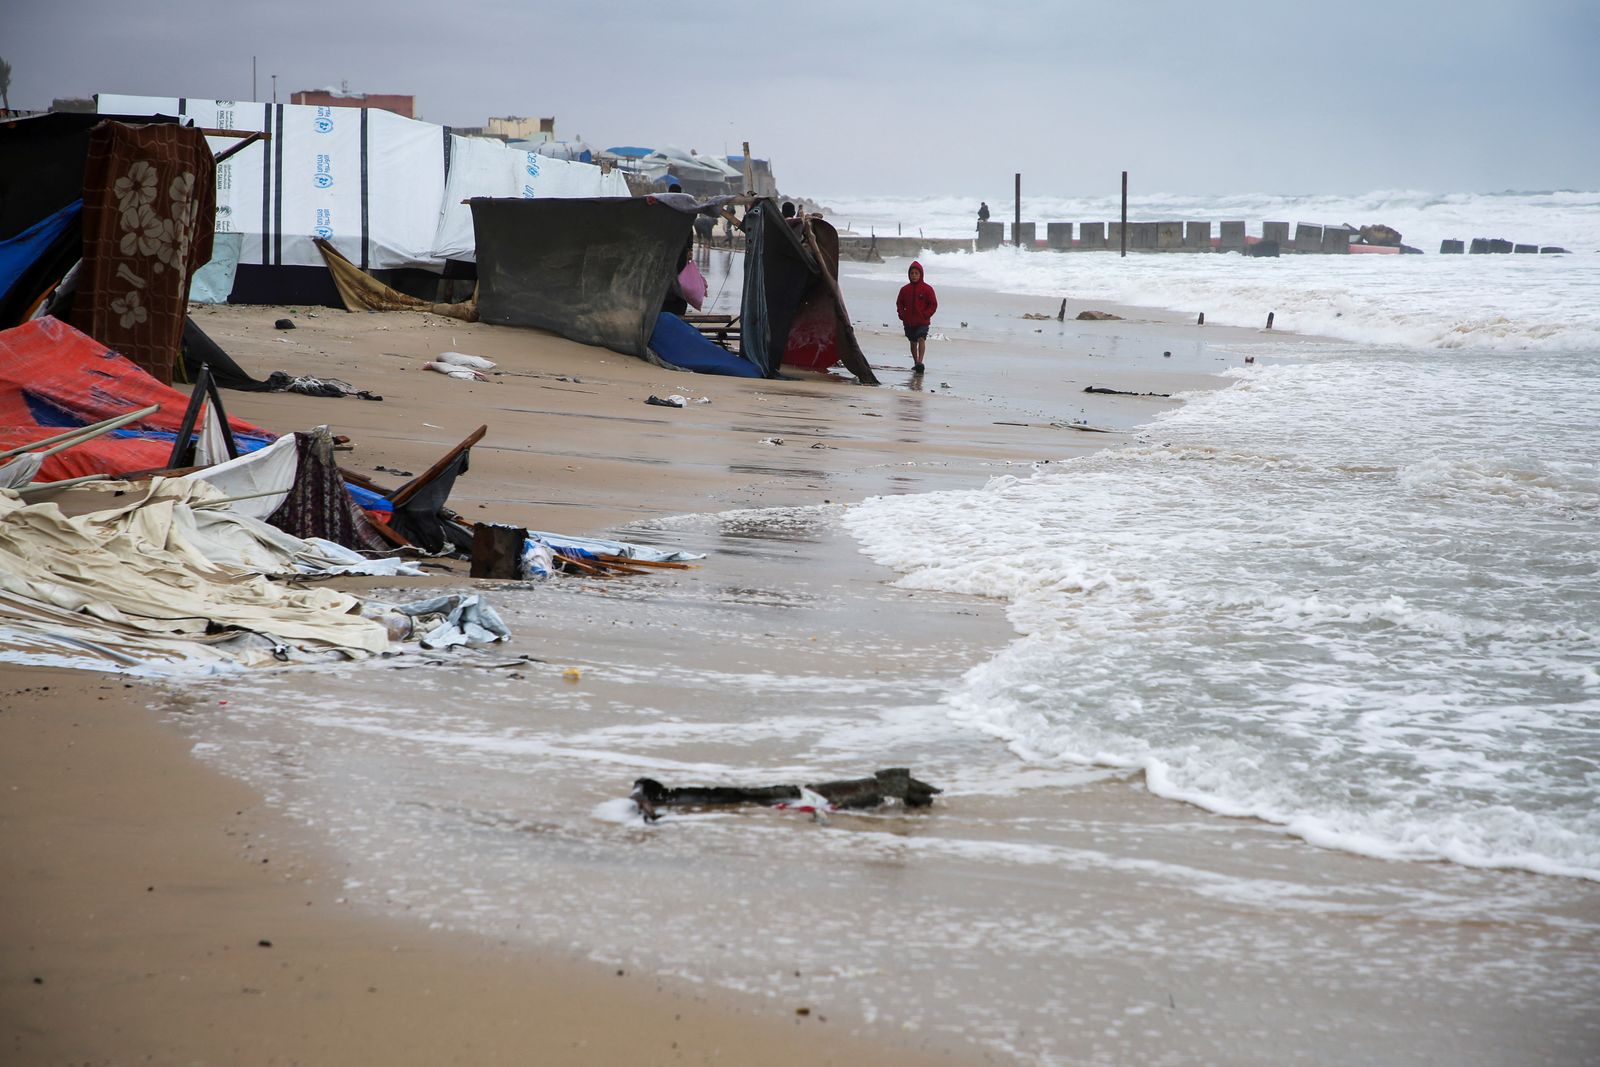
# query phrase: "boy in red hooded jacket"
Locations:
[[915, 305]]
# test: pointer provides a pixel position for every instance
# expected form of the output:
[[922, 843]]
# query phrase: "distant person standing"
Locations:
[[915, 305], [983, 213]]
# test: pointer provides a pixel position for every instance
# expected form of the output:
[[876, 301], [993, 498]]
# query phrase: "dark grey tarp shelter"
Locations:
[[595, 270], [777, 270]]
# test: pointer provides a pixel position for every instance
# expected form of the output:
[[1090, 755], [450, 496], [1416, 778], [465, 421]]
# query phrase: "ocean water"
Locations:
[[1357, 593], [1509, 303]]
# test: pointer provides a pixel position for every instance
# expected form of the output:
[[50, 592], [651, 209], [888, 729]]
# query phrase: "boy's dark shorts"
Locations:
[[916, 333]]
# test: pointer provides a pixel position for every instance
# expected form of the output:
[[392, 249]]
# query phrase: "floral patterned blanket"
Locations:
[[149, 202]]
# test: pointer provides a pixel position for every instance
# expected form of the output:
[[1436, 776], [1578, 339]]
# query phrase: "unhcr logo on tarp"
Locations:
[[324, 227], [324, 120], [533, 165], [324, 175]]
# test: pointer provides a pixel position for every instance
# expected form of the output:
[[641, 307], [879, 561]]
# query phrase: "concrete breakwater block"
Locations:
[[1277, 232], [1169, 235], [1526, 249], [1058, 236], [1448, 247], [1307, 238], [990, 235], [1197, 236], [1336, 240], [1022, 233], [1232, 239], [1264, 249], [1091, 235]]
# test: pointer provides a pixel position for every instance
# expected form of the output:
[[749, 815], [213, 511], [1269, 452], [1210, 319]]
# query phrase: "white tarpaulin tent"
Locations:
[[385, 190], [480, 167]]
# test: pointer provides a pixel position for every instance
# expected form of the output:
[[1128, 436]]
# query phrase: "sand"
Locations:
[[141, 923]]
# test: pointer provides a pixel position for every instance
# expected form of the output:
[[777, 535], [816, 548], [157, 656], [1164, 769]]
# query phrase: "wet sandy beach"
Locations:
[[454, 834]]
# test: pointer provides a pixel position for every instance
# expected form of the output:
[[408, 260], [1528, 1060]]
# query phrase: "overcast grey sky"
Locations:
[[866, 97]]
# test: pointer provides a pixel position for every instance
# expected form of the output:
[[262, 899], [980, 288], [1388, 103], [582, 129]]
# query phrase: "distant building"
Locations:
[[511, 128], [73, 103], [516, 128], [402, 104]]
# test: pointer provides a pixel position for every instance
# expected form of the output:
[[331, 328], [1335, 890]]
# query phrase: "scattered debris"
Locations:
[[283, 382], [894, 785], [1120, 392], [1098, 316], [461, 359], [466, 374], [283, 324], [673, 401]]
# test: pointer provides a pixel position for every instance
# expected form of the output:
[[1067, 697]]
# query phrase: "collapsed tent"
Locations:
[[171, 572], [54, 377], [385, 190], [130, 585], [598, 271]]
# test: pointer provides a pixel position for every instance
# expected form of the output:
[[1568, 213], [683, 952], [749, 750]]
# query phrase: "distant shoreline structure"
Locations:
[[1176, 237]]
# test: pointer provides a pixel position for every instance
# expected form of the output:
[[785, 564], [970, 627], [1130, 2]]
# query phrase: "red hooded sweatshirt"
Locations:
[[916, 303]]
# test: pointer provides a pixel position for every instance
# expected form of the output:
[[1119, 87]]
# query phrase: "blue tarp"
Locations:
[[680, 344], [19, 253], [368, 499]]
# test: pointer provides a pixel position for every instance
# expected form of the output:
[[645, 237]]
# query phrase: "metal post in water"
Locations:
[[1016, 222], [1124, 214]]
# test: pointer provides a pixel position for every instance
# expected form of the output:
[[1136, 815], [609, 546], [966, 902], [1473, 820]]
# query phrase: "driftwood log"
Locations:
[[1118, 392], [895, 783]]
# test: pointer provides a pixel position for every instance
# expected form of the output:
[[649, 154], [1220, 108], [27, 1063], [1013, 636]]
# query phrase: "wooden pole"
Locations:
[[83, 433], [410, 489], [1124, 214], [191, 414], [749, 171], [1016, 222]]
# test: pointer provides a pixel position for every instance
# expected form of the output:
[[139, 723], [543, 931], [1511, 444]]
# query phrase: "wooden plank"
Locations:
[[415, 485]]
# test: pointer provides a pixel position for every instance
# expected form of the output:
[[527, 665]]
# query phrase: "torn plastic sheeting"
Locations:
[[330, 557], [590, 547], [467, 620], [537, 560]]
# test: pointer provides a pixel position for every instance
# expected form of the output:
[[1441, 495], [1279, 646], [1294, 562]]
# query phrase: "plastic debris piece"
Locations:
[[464, 373], [462, 359]]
